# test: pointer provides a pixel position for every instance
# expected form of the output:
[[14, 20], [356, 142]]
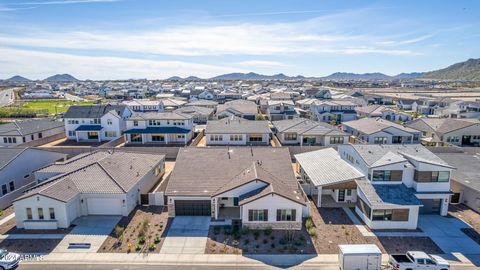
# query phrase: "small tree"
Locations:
[[333, 120], [259, 117], [119, 232]]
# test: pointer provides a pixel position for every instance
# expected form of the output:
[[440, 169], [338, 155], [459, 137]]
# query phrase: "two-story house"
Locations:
[[159, 128], [402, 181], [380, 131], [333, 110], [237, 131], [280, 109], [96, 122], [145, 105], [384, 112]]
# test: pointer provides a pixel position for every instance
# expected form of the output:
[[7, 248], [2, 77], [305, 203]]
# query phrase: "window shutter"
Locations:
[[279, 213], [250, 215], [265, 215], [294, 214]]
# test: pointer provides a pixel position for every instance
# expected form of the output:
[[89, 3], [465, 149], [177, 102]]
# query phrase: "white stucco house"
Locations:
[[96, 123], [253, 187], [144, 105], [237, 131], [99, 183], [402, 181], [381, 131], [17, 166], [19, 132]]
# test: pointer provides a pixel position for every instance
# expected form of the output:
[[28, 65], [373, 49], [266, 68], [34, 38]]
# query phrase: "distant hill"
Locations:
[[412, 75], [175, 78], [468, 70], [254, 76], [17, 78], [358, 77], [192, 78], [61, 78]]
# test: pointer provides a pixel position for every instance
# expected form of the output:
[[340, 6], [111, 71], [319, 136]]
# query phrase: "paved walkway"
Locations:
[[7, 218], [186, 235], [363, 230], [446, 233]]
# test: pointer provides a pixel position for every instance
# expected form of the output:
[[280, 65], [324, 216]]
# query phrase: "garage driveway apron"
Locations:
[[88, 229], [186, 235]]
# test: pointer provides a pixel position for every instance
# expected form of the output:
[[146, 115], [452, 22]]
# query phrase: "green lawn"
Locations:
[[53, 106]]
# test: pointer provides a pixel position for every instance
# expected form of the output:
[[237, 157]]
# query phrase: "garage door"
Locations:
[[192, 208], [431, 206], [104, 206]]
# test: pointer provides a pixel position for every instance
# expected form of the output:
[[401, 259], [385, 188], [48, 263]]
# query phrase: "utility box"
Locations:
[[359, 257]]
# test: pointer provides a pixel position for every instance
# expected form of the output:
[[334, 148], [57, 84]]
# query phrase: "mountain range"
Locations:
[[467, 70]]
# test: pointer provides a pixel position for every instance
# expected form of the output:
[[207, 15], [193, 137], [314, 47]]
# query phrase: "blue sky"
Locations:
[[122, 39]]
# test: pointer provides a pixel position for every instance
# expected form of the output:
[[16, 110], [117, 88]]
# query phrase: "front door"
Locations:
[[341, 195]]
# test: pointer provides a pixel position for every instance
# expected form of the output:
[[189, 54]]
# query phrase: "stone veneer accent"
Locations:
[[275, 225]]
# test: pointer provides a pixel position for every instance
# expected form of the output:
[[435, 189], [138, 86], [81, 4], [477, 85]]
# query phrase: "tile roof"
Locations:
[[8, 154], [236, 125], [211, 171], [89, 128], [372, 125], [441, 125], [159, 130], [468, 168], [93, 111], [159, 116], [240, 106], [202, 102], [325, 167], [100, 172], [304, 126], [26, 127], [195, 110], [388, 195]]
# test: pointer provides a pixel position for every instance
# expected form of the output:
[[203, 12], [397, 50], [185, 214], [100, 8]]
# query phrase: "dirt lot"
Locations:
[[222, 240], [6, 212], [334, 227], [29, 245], [150, 221], [467, 214]]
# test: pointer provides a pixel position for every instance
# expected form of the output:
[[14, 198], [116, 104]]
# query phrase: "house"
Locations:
[[280, 96], [200, 115], [237, 131], [144, 105], [333, 110], [280, 109], [159, 128], [96, 122], [445, 131], [16, 170], [228, 96], [380, 131], [465, 183], [22, 131], [327, 178], [383, 112], [240, 108], [318, 93], [300, 131], [461, 109], [110, 184], [406, 104], [203, 103], [255, 187], [171, 104], [402, 181], [207, 95], [429, 106]]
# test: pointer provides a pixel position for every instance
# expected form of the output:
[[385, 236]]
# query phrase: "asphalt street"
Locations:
[[5, 97]]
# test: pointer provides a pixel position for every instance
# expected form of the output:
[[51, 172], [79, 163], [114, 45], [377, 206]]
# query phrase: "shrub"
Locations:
[[312, 232], [245, 230], [272, 237], [216, 230], [265, 241], [151, 247], [235, 243], [246, 241], [157, 239], [256, 233], [298, 242], [283, 241], [119, 232], [272, 245], [141, 239], [138, 247], [301, 237], [309, 223], [268, 231], [236, 235], [227, 230]]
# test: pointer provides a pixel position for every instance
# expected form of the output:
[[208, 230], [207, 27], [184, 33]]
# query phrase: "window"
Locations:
[[427, 176], [336, 140], [136, 137], [364, 208], [12, 186], [32, 137], [4, 189], [109, 121], [51, 211], [14, 140], [97, 121], [255, 138], [387, 175], [258, 215], [349, 192], [158, 138], [29, 213], [71, 133], [110, 134], [180, 136], [40, 213], [135, 123], [286, 214], [4, 140], [236, 137], [380, 140], [40, 135], [382, 214], [24, 139], [216, 138], [290, 136]]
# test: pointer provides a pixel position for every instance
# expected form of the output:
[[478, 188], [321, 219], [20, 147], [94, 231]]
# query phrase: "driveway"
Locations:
[[186, 235], [445, 232], [88, 229]]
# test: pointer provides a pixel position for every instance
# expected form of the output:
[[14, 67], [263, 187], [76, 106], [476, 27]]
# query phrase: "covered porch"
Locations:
[[166, 135], [88, 133]]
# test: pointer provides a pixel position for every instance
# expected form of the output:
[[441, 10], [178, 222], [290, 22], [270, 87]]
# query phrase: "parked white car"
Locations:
[[418, 260], [8, 260]]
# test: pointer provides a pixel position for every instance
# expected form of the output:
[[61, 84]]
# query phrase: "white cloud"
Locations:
[[64, 2], [261, 63], [38, 65]]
